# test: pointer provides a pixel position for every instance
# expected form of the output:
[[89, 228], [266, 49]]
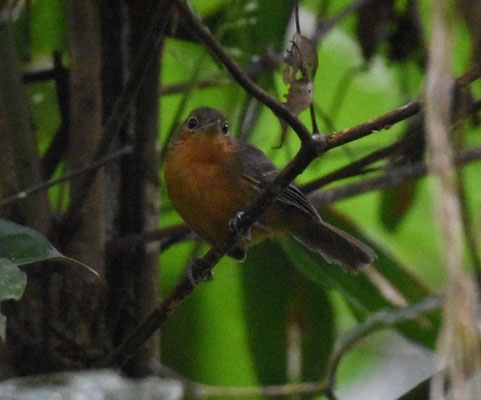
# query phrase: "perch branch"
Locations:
[[312, 146]]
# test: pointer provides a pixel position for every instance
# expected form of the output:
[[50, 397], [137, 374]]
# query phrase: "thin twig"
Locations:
[[375, 125], [355, 167], [391, 178], [52, 182], [199, 391], [290, 389], [166, 236]]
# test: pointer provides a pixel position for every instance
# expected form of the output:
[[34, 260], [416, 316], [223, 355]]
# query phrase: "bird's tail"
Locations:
[[335, 245]]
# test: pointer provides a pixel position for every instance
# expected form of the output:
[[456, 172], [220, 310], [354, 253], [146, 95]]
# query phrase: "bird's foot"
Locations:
[[234, 223], [198, 272]]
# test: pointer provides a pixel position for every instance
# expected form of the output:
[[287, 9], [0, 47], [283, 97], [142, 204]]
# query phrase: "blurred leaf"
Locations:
[[205, 339], [279, 301], [12, 285], [12, 280], [316, 317], [363, 292], [406, 38], [395, 203], [471, 12], [21, 245], [272, 18], [48, 30], [373, 25], [268, 285]]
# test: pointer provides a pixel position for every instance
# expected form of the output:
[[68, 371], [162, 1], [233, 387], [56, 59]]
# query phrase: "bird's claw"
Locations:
[[245, 234], [197, 273]]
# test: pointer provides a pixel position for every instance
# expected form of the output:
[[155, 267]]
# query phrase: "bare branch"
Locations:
[[391, 178], [355, 167], [167, 236], [52, 182]]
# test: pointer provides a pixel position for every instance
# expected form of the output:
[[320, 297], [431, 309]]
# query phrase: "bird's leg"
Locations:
[[245, 234], [197, 272]]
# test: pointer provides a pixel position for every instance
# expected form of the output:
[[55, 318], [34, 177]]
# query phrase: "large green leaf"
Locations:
[[21, 245], [316, 317], [268, 285], [362, 294], [12, 285], [205, 339], [278, 301]]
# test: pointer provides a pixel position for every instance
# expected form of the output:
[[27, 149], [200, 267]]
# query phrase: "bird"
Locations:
[[211, 177]]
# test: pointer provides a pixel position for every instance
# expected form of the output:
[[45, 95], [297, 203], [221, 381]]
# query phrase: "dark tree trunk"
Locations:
[[68, 318]]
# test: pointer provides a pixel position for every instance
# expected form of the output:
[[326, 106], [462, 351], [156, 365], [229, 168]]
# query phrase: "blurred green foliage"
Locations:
[[238, 330]]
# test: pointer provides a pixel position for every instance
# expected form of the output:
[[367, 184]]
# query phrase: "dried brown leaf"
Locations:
[[301, 56]]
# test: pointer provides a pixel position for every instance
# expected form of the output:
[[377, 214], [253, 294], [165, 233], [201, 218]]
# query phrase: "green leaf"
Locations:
[[316, 318], [362, 294], [12, 280], [205, 338], [279, 301], [22, 245], [268, 285], [12, 285]]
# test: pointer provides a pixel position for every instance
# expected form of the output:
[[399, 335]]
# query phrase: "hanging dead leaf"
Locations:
[[298, 98], [302, 56]]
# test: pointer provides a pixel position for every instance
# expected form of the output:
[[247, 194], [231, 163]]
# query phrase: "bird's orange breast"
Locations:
[[203, 183]]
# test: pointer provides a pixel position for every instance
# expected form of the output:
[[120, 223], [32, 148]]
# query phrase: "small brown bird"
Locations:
[[211, 176]]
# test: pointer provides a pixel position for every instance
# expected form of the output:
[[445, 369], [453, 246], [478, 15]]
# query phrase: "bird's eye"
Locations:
[[225, 129], [192, 123]]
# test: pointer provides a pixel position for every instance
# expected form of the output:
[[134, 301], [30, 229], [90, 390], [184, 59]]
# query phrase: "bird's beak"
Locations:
[[212, 125]]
